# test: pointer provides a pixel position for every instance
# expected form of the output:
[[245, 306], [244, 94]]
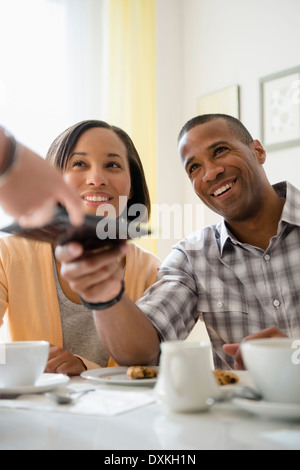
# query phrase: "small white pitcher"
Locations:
[[186, 379]]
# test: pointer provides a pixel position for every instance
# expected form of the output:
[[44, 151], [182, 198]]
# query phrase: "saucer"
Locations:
[[44, 384], [268, 409]]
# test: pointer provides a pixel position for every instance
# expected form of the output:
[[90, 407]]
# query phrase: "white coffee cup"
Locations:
[[186, 380], [22, 362], [274, 366]]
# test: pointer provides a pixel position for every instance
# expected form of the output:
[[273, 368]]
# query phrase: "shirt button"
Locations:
[[276, 303], [267, 257], [220, 304]]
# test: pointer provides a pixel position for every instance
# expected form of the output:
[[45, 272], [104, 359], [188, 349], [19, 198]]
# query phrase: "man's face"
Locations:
[[226, 174]]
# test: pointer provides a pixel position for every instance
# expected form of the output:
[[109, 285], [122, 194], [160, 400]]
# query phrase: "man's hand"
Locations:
[[234, 349], [97, 275], [61, 361]]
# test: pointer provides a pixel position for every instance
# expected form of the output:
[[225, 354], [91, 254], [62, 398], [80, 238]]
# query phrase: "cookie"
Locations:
[[225, 377], [141, 372]]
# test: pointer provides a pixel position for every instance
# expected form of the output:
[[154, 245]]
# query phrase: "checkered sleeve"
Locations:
[[171, 303]]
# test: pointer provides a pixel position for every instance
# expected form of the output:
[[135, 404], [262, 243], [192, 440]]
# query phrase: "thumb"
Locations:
[[73, 204]]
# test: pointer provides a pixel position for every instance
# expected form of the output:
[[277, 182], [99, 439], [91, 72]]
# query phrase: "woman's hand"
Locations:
[[61, 361]]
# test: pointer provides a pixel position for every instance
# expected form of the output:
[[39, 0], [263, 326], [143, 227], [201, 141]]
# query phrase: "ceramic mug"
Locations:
[[22, 362], [186, 380], [274, 366]]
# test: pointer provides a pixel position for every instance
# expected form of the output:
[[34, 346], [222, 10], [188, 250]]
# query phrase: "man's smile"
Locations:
[[222, 188]]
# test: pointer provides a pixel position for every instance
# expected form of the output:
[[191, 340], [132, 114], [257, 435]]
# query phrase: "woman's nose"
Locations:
[[97, 178]]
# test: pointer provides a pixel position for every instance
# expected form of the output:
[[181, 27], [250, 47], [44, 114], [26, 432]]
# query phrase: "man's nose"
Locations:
[[212, 171]]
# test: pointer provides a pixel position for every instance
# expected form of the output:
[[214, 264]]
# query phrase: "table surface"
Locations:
[[148, 428]]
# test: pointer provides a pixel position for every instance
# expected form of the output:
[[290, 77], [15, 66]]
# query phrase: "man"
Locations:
[[31, 187], [240, 277]]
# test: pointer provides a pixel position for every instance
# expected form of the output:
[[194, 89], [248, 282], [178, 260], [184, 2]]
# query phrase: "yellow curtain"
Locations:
[[132, 81]]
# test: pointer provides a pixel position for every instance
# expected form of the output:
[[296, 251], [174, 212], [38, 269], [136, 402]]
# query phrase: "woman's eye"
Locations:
[[113, 165], [79, 163]]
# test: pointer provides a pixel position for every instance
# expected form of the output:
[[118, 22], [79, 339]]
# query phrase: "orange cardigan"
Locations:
[[28, 292]]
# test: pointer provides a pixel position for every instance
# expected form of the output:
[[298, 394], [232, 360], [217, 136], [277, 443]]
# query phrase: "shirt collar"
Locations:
[[290, 213], [291, 209]]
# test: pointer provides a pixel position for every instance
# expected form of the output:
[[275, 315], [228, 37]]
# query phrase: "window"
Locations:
[[52, 68]]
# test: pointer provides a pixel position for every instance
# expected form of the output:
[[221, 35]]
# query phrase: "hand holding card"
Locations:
[[93, 233]]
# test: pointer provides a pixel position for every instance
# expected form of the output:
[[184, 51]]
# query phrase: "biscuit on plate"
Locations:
[[141, 372], [225, 377]]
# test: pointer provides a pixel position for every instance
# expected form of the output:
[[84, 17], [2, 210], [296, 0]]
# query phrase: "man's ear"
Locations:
[[259, 151]]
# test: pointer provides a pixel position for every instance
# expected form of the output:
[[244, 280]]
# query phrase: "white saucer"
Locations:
[[44, 384], [288, 411], [115, 376]]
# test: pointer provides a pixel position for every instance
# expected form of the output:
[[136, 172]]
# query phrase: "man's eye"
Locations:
[[220, 150], [192, 168]]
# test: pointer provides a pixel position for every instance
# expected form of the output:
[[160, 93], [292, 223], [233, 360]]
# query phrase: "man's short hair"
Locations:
[[235, 125]]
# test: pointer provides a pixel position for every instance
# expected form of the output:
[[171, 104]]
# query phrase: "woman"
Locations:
[[101, 163]]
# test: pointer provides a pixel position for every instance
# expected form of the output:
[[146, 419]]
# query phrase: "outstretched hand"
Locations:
[[234, 349], [34, 188]]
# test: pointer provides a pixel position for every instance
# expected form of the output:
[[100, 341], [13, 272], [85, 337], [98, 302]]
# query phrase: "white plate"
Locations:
[[269, 409], [44, 384], [115, 376]]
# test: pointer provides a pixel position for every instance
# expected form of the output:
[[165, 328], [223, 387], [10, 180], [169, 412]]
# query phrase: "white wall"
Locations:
[[238, 42], [169, 107], [207, 45]]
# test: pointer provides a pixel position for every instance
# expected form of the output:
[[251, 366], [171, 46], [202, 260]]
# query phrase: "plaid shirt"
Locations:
[[235, 288]]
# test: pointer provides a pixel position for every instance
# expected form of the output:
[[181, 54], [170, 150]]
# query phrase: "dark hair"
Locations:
[[60, 150], [235, 125]]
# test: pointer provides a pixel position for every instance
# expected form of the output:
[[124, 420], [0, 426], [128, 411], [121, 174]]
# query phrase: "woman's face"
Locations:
[[98, 169]]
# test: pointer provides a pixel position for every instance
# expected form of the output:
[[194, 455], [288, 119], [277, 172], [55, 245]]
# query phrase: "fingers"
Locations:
[[72, 251], [61, 361], [234, 349], [231, 349], [73, 205], [96, 276], [68, 252], [39, 216]]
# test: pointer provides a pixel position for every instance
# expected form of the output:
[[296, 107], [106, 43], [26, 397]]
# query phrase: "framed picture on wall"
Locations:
[[225, 101], [280, 109]]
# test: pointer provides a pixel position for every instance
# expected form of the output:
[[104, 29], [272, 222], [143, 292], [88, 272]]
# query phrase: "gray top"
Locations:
[[79, 332]]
